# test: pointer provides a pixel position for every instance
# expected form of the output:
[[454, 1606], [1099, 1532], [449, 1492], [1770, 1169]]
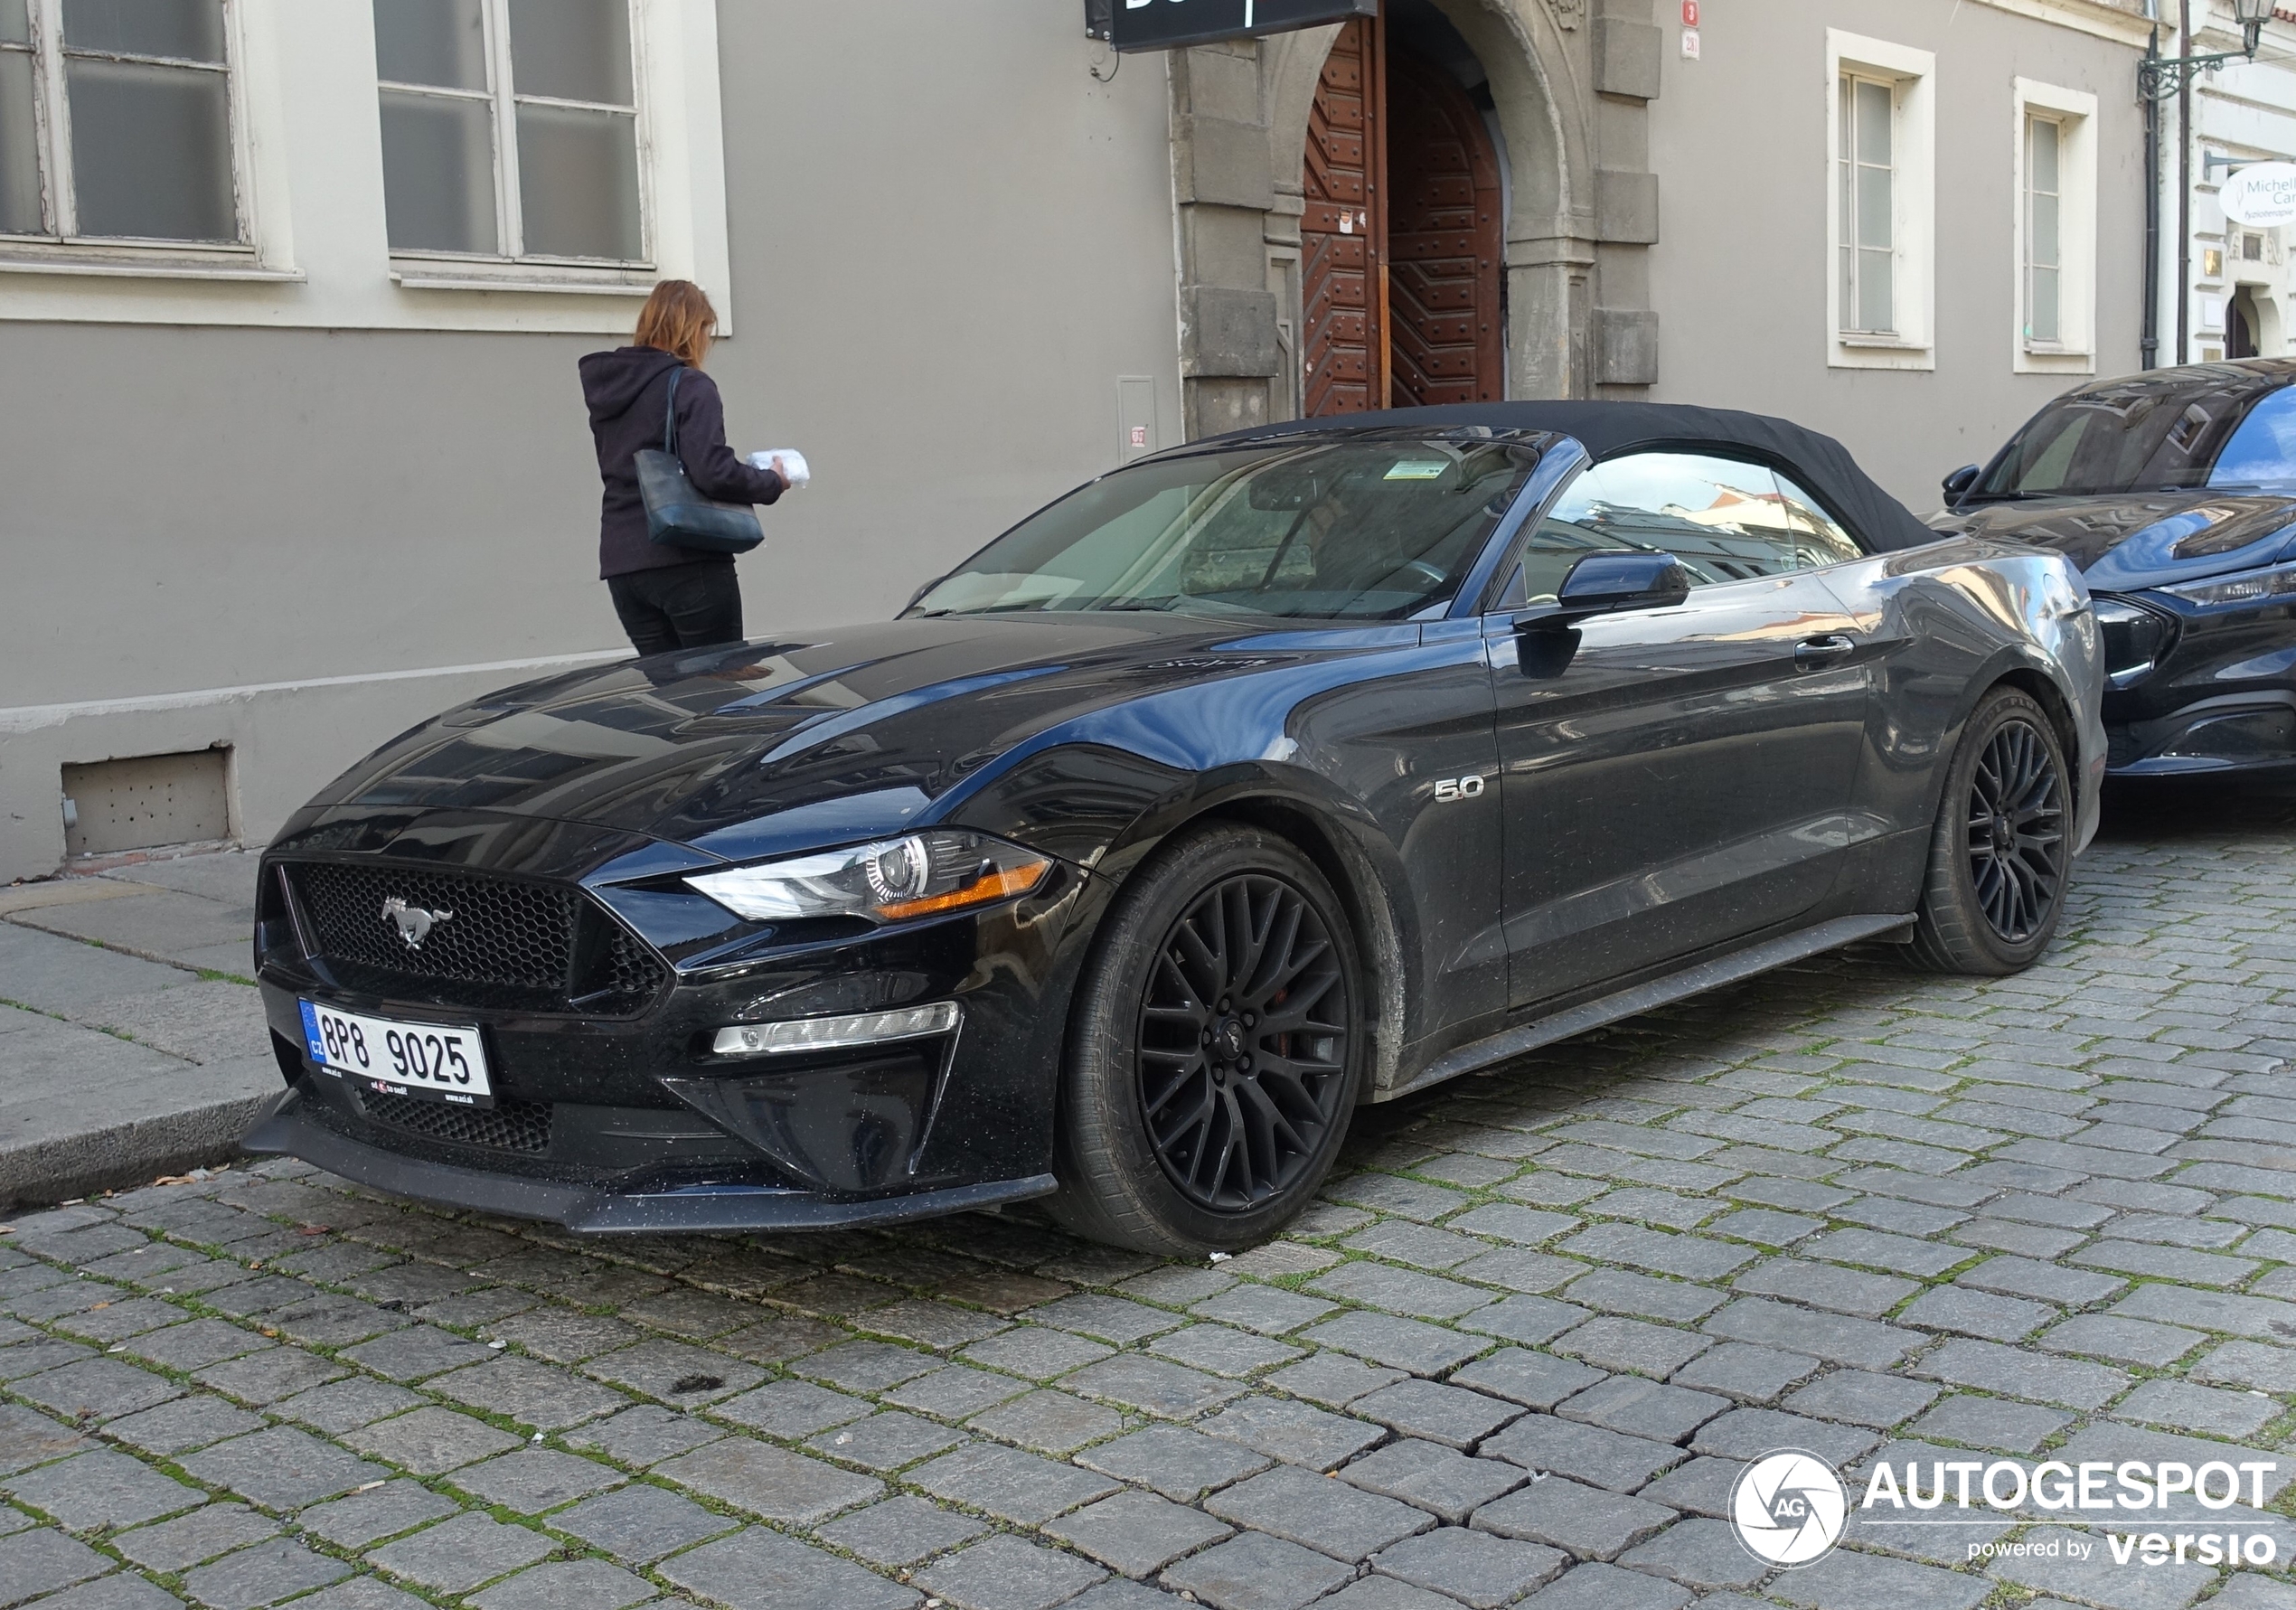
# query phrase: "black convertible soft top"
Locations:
[[1606, 429]]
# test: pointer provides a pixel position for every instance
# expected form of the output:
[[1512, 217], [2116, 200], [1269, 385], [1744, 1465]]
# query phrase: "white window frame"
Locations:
[[63, 245], [463, 270], [1912, 77], [1853, 166], [319, 254], [2074, 112]]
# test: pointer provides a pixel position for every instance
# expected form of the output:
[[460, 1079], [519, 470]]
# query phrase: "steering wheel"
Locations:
[[1434, 577]]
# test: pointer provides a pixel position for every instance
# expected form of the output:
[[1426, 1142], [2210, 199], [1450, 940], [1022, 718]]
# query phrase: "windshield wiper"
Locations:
[[1036, 604]]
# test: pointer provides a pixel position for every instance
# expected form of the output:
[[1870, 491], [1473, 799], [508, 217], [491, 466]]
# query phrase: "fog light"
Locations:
[[834, 1033]]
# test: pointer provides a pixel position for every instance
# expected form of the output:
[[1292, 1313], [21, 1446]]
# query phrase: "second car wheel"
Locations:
[[2001, 852], [1216, 1050]]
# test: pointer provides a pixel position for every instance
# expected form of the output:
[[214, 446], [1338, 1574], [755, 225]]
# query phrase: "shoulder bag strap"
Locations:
[[669, 414]]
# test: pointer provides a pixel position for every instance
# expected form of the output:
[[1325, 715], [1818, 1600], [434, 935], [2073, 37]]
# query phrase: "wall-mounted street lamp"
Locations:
[[2161, 77]]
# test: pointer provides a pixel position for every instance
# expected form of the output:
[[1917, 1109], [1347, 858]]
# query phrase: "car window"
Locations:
[[2262, 449], [1819, 538], [1370, 527], [2147, 434], [1725, 520]]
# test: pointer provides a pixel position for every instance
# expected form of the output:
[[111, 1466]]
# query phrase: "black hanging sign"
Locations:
[[1161, 24]]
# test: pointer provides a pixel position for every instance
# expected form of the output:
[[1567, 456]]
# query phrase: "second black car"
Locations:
[[2175, 492]]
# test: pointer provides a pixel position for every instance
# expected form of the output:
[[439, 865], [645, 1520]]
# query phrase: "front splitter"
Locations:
[[588, 1210]]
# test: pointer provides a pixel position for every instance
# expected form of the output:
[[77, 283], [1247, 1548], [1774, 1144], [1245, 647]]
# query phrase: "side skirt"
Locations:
[[1642, 997]]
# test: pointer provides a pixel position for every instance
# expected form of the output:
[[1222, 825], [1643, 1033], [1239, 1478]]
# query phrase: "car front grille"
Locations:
[[507, 1127], [484, 942]]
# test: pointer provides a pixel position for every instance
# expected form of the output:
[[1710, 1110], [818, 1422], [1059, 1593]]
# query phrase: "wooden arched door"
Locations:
[[1402, 238], [1446, 240], [1344, 345]]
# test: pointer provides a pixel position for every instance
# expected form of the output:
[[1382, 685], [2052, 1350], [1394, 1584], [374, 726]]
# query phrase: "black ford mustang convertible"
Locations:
[[1297, 768], [2175, 492]]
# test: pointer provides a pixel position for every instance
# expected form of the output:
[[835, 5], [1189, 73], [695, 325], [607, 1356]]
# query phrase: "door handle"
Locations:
[[1815, 654]]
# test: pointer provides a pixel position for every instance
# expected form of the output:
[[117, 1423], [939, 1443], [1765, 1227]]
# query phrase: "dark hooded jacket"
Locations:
[[626, 389]]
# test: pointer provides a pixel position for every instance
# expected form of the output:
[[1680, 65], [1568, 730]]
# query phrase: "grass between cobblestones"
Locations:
[[1537, 1322]]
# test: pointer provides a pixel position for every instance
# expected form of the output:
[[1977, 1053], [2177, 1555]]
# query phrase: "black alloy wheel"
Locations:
[[2017, 831], [2001, 854], [1216, 1045], [1243, 1043]]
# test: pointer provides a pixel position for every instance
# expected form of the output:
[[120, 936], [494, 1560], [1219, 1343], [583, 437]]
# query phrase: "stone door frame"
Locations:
[[1571, 80]]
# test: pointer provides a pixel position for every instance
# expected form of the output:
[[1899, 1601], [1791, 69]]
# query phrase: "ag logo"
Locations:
[[1788, 1508]]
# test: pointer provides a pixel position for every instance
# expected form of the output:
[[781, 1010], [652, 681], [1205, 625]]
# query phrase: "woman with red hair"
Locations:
[[667, 597]]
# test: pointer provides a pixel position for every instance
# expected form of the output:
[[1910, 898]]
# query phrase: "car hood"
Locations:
[[2136, 540], [761, 747]]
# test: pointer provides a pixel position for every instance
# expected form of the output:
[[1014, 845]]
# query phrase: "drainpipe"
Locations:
[[2150, 345], [2184, 189]]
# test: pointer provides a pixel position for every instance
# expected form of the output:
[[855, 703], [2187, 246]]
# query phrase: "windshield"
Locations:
[[2146, 438], [1361, 530]]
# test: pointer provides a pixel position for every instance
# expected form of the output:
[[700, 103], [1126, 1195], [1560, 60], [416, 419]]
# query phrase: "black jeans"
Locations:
[[689, 606]]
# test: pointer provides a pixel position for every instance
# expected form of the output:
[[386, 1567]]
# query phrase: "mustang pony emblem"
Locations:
[[414, 924]]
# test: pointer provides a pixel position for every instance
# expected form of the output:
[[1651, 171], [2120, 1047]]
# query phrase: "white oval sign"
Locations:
[[2262, 194]]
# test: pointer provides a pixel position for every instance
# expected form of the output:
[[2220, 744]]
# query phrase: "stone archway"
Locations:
[[2267, 327], [1569, 90]]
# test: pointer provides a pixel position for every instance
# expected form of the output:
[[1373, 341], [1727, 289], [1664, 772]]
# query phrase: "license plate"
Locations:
[[439, 1061]]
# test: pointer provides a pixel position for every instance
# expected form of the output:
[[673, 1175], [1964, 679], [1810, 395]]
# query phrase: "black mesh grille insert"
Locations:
[[486, 931], [508, 1127], [631, 969], [489, 942]]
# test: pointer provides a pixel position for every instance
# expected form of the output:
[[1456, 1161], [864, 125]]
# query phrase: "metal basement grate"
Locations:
[[508, 1127], [488, 942]]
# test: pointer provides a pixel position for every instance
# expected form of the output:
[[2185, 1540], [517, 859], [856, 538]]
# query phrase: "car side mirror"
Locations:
[[1960, 481], [1608, 582]]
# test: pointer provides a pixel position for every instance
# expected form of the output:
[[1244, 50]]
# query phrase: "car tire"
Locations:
[[2001, 855], [1215, 1050]]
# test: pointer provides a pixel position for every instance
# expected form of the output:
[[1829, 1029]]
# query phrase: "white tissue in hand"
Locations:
[[792, 463]]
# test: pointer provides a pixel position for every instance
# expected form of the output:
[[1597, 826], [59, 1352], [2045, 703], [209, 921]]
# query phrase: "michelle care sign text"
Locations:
[[2260, 195]]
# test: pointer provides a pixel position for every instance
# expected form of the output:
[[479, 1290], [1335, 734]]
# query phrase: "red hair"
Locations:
[[678, 319]]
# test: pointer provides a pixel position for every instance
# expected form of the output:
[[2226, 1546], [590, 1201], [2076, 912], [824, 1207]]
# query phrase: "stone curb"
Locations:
[[59, 891], [55, 1168]]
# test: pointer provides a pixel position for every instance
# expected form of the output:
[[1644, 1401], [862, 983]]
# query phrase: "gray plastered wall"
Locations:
[[1740, 268], [953, 232], [950, 242]]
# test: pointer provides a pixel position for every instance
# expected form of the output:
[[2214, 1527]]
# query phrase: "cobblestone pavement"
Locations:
[[1538, 1324]]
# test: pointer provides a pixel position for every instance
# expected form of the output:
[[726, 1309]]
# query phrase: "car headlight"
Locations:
[[2255, 587], [920, 874], [2135, 638]]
